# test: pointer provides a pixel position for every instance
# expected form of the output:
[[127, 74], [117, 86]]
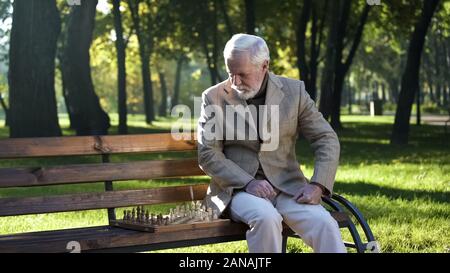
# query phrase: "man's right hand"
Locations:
[[260, 188]]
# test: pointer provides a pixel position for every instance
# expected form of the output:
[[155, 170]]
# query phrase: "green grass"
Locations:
[[403, 191]]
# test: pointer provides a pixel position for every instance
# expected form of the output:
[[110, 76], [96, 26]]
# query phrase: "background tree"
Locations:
[[88, 116], [142, 23], [250, 16], [35, 29], [336, 66], [315, 12], [121, 68], [410, 78]]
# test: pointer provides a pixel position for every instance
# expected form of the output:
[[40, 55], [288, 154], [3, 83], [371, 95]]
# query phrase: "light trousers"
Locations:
[[313, 223]]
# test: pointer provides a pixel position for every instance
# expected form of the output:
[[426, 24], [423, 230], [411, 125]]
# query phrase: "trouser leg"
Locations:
[[263, 219], [313, 223]]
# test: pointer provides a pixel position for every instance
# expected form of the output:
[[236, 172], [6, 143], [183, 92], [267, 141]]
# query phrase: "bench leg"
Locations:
[[371, 245], [284, 244]]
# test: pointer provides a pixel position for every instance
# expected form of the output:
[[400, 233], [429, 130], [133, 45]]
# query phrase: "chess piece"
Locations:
[[215, 215], [142, 213], [147, 216], [171, 215], [139, 214], [153, 219], [198, 205], [210, 214], [160, 219], [133, 215]]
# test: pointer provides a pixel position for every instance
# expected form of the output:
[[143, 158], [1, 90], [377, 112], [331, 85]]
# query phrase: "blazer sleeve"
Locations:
[[211, 158], [322, 138]]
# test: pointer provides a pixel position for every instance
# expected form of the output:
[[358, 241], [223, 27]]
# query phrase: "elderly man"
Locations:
[[263, 187]]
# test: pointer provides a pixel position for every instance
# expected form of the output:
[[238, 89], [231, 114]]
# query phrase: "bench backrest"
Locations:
[[104, 146]]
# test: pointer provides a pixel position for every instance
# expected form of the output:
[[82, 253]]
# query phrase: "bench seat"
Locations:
[[113, 239]]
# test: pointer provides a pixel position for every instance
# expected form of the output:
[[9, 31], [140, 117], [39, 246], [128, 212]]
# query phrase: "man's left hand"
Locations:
[[309, 194]]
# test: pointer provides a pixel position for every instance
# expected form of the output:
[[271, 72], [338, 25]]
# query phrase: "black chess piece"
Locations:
[[138, 214], [147, 217]]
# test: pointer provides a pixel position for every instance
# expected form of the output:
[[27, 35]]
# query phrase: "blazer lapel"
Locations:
[[232, 98], [274, 95]]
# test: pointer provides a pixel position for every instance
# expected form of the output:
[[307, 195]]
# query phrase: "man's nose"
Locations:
[[236, 80]]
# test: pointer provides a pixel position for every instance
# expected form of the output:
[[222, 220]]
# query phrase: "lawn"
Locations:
[[404, 192]]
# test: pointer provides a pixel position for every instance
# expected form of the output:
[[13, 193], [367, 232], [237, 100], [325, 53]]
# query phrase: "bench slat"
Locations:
[[93, 145], [83, 173], [106, 237], [111, 199]]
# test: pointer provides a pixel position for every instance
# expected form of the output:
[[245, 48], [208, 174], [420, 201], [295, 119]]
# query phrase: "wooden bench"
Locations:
[[108, 238]]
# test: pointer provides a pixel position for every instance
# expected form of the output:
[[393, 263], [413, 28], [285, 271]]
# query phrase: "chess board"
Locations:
[[170, 227], [185, 217]]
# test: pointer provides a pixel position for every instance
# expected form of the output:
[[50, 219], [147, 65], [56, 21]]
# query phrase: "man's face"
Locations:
[[245, 77]]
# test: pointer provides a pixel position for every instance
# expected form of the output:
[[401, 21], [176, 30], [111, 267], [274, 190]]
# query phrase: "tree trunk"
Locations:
[[35, 29], [89, 118], [216, 42], [61, 45], [148, 87], [145, 49], [176, 89], [228, 24], [446, 91], [446, 62], [418, 107], [209, 60], [410, 78], [163, 105], [337, 98], [438, 77], [204, 34], [69, 107], [393, 86], [316, 42], [341, 69], [250, 16], [428, 69], [326, 87], [349, 98], [121, 69], [339, 74], [5, 109], [301, 40]]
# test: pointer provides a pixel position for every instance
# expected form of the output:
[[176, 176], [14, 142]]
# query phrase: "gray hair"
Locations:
[[256, 46]]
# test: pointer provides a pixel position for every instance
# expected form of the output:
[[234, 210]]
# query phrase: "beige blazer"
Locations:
[[233, 163]]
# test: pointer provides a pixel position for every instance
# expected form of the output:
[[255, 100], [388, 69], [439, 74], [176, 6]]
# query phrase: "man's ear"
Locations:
[[266, 64]]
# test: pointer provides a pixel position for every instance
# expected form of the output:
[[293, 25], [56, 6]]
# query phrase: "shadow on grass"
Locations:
[[370, 190], [138, 130]]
